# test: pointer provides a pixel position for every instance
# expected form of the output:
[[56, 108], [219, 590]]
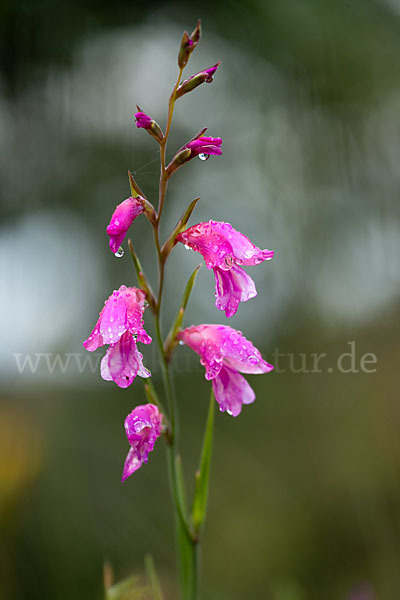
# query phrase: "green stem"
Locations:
[[185, 539]]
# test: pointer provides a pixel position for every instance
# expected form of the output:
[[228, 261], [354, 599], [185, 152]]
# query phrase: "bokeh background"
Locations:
[[305, 485]]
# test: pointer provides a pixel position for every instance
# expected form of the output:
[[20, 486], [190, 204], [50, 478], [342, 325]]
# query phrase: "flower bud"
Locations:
[[188, 44], [190, 84], [145, 122]]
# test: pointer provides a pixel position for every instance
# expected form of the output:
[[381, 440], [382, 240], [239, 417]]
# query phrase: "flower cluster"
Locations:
[[224, 352]]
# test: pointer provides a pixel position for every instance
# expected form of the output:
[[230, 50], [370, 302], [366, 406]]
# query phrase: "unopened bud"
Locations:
[[188, 44], [145, 122], [190, 84]]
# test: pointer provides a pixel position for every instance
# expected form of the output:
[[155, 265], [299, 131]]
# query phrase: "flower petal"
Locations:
[[123, 362], [231, 390], [132, 464], [142, 427], [219, 345], [221, 245], [232, 287], [122, 218]]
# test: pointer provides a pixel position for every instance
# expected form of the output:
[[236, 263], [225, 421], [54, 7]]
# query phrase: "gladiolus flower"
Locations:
[[225, 353], [142, 427], [122, 218], [224, 250], [120, 325]]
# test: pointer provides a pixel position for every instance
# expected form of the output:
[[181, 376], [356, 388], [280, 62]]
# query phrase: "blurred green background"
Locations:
[[305, 489]]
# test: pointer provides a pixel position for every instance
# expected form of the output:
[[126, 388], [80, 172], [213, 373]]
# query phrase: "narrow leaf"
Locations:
[[180, 226], [203, 473], [128, 589], [153, 578], [171, 342], [135, 189], [141, 277]]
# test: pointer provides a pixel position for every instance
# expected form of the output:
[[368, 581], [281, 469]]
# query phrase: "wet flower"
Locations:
[[225, 353], [190, 84], [143, 121], [120, 325], [225, 250], [200, 145], [122, 218], [142, 427], [205, 145]]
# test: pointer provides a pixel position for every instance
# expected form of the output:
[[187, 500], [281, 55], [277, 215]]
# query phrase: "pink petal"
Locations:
[[221, 245], [95, 339], [217, 343], [143, 427], [231, 390], [232, 287], [122, 218], [132, 464], [123, 362]]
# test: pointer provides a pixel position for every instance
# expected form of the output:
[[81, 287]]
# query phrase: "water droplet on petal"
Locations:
[[187, 247], [120, 252], [204, 156], [181, 343], [253, 360]]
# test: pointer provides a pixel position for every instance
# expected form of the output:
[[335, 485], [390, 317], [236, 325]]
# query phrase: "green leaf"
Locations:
[[135, 189], [153, 578], [127, 589], [141, 277], [171, 342], [179, 227], [203, 472]]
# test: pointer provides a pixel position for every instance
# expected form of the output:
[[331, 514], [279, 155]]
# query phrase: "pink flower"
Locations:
[[200, 145], [225, 353], [120, 325], [190, 84], [143, 427], [122, 218], [224, 249], [143, 120], [205, 145]]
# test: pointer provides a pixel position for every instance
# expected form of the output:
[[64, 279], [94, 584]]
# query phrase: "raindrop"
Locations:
[[204, 156], [253, 360], [181, 343], [120, 252]]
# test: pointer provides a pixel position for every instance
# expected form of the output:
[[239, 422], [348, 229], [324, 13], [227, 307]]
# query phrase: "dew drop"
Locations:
[[204, 156], [253, 360], [120, 252], [181, 343]]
